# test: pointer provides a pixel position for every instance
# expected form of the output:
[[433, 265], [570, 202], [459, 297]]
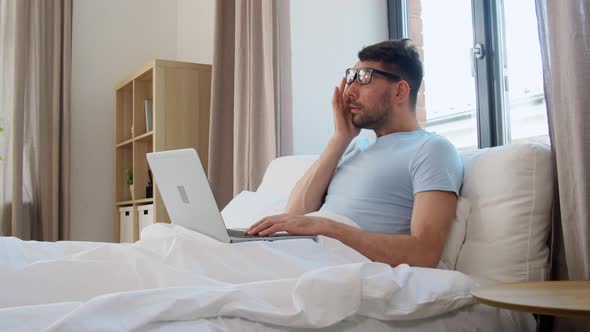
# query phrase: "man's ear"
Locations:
[[402, 92]]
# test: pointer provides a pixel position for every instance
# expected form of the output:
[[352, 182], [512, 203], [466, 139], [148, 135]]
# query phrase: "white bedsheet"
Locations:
[[176, 275]]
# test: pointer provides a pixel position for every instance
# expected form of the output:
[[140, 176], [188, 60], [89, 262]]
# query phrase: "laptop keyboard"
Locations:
[[239, 234]]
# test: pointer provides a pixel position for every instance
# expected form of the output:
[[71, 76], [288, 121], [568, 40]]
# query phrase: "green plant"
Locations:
[[129, 172]]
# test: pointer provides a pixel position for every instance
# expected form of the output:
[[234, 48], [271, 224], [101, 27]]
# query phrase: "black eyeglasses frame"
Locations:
[[372, 71]]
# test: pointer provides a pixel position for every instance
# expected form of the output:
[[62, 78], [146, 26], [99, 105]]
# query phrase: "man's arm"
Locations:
[[432, 216], [309, 191]]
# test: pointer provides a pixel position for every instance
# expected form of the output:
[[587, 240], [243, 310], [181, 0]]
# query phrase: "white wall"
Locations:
[[325, 39], [111, 40], [195, 30]]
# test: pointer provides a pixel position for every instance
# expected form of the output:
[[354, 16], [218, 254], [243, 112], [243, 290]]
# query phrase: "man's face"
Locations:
[[370, 104]]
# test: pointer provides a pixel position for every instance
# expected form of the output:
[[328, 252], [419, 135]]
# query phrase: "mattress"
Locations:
[[477, 317]]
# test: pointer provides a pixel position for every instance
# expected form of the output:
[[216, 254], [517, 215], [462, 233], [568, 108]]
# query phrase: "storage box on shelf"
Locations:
[[146, 216], [126, 229], [177, 97]]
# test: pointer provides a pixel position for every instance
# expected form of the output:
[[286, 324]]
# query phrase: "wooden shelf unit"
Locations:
[[181, 95]]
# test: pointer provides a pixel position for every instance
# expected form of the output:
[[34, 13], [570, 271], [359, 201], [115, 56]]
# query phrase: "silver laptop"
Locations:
[[188, 198]]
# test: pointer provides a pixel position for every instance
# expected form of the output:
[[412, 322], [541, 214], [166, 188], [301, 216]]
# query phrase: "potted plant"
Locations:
[[129, 172]]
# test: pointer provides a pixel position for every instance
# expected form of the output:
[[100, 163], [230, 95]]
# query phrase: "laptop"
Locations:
[[188, 198]]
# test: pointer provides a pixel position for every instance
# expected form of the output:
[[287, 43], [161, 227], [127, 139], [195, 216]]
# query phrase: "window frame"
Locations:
[[492, 125]]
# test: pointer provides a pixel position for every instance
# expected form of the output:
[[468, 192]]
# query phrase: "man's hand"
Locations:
[[343, 126], [290, 223]]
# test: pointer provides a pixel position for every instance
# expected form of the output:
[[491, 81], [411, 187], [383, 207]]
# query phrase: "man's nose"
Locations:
[[351, 91]]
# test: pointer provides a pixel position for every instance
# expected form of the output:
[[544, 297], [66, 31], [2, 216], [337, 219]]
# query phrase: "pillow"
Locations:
[[510, 189], [248, 207], [283, 173], [456, 236]]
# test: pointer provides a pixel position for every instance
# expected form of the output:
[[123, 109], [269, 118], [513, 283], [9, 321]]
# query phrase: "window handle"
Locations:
[[478, 51]]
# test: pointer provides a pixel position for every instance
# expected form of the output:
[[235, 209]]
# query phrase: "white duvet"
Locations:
[[174, 274]]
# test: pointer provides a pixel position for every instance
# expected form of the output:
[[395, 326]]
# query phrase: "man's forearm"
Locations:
[[309, 191], [384, 248]]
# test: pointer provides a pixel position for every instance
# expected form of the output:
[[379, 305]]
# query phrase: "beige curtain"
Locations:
[[35, 65], [283, 82], [564, 30], [245, 125]]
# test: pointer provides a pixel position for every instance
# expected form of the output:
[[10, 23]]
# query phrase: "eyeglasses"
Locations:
[[364, 75]]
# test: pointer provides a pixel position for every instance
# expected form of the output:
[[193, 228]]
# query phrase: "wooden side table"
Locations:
[[555, 298]]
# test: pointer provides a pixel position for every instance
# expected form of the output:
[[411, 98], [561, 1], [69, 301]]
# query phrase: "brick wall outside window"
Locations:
[[415, 13]]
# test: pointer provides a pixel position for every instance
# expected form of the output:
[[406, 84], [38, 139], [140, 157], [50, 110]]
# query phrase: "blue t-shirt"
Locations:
[[374, 184]]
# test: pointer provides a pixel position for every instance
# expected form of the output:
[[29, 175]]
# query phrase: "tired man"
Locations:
[[402, 190]]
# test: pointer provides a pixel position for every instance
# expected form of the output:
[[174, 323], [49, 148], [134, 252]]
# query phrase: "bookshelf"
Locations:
[[180, 95]]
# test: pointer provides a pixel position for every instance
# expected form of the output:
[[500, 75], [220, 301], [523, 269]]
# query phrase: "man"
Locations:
[[402, 190]]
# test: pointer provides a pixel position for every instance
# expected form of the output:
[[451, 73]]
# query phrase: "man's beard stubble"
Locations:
[[372, 118]]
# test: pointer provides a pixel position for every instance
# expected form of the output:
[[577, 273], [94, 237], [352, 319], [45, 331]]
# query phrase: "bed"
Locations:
[[175, 279]]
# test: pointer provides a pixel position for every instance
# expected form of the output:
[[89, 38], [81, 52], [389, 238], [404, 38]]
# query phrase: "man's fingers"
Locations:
[[269, 224], [336, 97], [254, 230], [273, 229], [258, 223], [338, 93], [262, 225], [266, 224]]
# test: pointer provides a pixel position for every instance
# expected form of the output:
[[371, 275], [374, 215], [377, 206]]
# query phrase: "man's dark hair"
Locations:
[[399, 57]]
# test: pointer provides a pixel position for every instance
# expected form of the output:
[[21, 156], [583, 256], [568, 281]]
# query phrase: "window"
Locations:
[[523, 71], [483, 82]]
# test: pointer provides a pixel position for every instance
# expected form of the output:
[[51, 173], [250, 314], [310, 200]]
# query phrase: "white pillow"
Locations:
[[248, 207], [282, 173], [456, 237], [510, 189]]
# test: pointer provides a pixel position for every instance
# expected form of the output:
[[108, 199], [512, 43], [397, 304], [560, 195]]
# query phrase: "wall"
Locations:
[[195, 30], [326, 37], [111, 40]]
